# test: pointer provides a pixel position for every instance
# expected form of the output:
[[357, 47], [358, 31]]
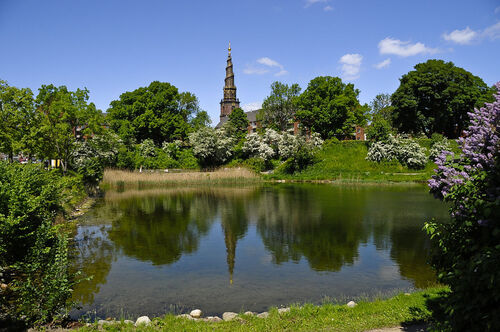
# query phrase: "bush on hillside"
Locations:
[[407, 152]]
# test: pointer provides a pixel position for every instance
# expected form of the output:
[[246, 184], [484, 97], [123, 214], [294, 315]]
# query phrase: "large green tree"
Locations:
[[330, 107], [158, 112], [381, 107], [279, 108], [62, 115], [238, 123], [435, 98], [17, 118]]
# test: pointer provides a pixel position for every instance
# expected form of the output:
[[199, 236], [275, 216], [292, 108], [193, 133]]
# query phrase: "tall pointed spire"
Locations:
[[229, 100]]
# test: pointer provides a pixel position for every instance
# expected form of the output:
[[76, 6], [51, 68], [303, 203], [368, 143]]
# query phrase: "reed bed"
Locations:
[[121, 179]]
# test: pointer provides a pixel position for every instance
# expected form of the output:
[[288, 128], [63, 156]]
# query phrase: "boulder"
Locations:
[[196, 313], [143, 320], [228, 316], [128, 321], [264, 314], [249, 313], [186, 316], [213, 319], [283, 310], [105, 322], [351, 304]]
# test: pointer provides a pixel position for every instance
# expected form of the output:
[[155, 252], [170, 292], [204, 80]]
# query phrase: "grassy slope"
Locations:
[[401, 309], [345, 161]]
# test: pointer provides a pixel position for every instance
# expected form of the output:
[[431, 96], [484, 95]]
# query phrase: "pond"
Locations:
[[248, 248]]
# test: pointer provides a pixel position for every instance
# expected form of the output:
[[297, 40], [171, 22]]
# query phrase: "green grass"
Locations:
[[345, 162], [399, 310]]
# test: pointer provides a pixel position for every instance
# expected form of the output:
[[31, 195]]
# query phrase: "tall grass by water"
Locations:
[[129, 179]]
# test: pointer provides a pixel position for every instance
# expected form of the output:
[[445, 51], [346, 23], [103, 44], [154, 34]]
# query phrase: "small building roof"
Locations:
[[251, 117]]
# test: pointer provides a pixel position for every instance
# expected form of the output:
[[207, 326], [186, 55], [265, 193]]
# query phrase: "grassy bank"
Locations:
[[345, 162], [132, 179], [399, 310]]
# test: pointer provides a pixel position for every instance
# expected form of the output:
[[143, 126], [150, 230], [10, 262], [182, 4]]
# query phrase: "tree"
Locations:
[[200, 120], [379, 129], [435, 98], [158, 112], [466, 250], [62, 114], [238, 123], [279, 108], [212, 147], [330, 107], [381, 106], [17, 117]]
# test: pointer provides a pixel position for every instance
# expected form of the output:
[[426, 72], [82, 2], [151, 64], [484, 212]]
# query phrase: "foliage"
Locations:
[[17, 118], [212, 147], [278, 109], [331, 108], [93, 155], [437, 147], [158, 112], [33, 254], [467, 250], [256, 147], [62, 114], [407, 152], [435, 98], [237, 123], [379, 129], [381, 106]]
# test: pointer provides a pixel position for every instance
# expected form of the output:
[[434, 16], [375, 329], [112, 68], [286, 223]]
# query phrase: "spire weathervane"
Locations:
[[229, 49]]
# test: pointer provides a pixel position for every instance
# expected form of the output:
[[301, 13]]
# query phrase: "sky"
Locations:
[[111, 47]]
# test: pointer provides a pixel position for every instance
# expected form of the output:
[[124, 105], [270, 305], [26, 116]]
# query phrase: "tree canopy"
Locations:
[[330, 107], [238, 122], [436, 97], [279, 108], [158, 112]]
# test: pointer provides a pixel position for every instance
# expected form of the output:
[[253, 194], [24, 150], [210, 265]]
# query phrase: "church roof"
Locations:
[[251, 117]]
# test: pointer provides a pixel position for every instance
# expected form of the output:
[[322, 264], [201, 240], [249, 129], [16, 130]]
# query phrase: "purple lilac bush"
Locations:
[[466, 250]]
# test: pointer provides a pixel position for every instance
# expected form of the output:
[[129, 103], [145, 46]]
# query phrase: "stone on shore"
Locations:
[[196, 313], [283, 310], [264, 314], [143, 320], [105, 322], [351, 304], [128, 321], [228, 316], [213, 319], [186, 316], [249, 313]]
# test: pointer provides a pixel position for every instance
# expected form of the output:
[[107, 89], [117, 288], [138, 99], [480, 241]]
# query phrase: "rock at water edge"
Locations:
[[351, 304], [249, 313], [196, 313], [283, 310], [228, 316], [264, 314], [185, 316], [143, 320], [213, 319]]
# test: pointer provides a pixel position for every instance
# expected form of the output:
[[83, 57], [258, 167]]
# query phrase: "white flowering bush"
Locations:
[[287, 145], [212, 147], [255, 146], [437, 148], [172, 149], [407, 152]]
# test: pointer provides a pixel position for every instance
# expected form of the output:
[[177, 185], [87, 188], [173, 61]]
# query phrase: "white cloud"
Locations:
[[312, 2], [383, 64], [351, 65], [255, 71], [268, 62], [252, 106], [403, 48], [328, 8], [463, 37], [492, 32]]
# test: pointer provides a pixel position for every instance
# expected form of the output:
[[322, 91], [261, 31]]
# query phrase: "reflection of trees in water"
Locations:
[[321, 223], [161, 228], [92, 254]]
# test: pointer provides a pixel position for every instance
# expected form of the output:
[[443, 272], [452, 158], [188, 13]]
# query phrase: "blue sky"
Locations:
[[115, 46]]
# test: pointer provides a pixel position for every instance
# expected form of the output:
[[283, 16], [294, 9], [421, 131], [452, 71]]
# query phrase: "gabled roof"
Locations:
[[251, 117]]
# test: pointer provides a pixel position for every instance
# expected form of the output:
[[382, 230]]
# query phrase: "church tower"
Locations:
[[229, 102]]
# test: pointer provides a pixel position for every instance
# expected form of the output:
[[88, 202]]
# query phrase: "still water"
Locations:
[[249, 248]]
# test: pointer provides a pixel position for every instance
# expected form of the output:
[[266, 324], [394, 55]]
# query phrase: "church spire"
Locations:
[[229, 100]]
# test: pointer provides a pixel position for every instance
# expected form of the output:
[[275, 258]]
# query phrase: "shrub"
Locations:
[[379, 129], [407, 152], [466, 251], [437, 147], [212, 147], [33, 254]]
